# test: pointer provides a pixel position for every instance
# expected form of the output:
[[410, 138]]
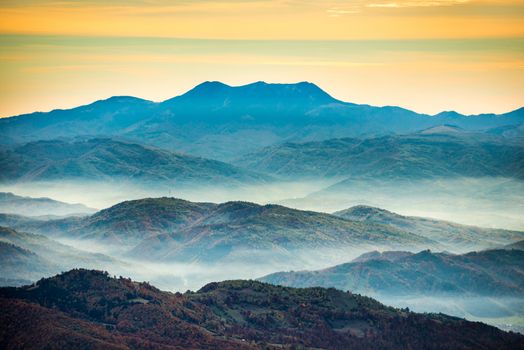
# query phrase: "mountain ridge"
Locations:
[[30, 206], [410, 156], [106, 158], [90, 307], [216, 121], [494, 273], [174, 229], [227, 86], [448, 233]]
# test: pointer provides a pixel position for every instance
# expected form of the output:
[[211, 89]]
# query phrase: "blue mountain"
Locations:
[[219, 121]]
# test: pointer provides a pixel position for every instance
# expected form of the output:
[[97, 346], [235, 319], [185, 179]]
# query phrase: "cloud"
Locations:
[[419, 3], [357, 7], [337, 11]]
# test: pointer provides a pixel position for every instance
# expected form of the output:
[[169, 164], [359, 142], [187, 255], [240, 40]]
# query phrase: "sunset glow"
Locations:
[[424, 55]]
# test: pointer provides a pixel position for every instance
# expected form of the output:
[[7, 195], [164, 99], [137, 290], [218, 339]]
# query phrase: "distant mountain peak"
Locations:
[[362, 212], [120, 100], [259, 91], [448, 114], [442, 129]]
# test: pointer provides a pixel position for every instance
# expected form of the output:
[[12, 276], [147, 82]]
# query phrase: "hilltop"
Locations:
[[450, 234], [160, 229], [91, 308]]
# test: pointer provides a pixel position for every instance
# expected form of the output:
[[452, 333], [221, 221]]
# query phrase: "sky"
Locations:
[[425, 55]]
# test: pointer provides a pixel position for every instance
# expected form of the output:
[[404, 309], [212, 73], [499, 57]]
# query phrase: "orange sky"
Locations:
[[427, 55]]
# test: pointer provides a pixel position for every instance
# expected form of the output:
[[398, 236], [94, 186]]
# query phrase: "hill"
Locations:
[[482, 286], [27, 206], [162, 229], [451, 235], [19, 263], [108, 159], [133, 221], [28, 257], [235, 227], [91, 309], [414, 156], [173, 229], [218, 121], [495, 273]]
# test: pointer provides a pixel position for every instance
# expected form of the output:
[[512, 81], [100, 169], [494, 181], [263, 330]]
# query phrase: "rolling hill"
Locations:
[[233, 228], [414, 156], [19, 264], [112, 160], [91, 309], [29, 257], [449, 234], [27, 206], [495, 273], [170, 229], [160, 229], [214, 120]]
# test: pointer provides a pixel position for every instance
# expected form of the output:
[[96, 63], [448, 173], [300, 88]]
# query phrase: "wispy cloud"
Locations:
[[360, 6], [419, 3], [338, 11]]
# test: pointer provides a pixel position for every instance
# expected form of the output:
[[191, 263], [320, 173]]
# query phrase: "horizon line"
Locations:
[[249, 84]]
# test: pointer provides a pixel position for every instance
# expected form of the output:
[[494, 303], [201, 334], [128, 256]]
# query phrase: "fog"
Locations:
[[488, 202], [505, 312], [243, 264], [101, 195]]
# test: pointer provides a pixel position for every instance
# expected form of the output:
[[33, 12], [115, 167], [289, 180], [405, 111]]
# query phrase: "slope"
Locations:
[[451, 235], [218, 121], [495, 273], [27, 206], [112, 160], [414, 156], [93, 309]]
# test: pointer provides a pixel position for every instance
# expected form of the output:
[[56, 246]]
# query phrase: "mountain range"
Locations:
[[113, 160], [495, 273], [217, 121], [170, 229], [90, 309], [292, 144], [160, 229], [27, 206], [28, 257], [449, 234], [431, 153]]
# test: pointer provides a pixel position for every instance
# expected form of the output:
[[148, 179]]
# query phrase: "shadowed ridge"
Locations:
[[254, 94], [207, 88], [362, 212], [87, 306]]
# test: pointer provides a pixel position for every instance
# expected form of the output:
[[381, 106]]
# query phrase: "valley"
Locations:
[[223, 187]]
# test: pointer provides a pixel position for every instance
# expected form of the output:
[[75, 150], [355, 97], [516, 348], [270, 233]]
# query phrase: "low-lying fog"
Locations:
[[488, 202], [243, 264], [505, 313], [105, 194]]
